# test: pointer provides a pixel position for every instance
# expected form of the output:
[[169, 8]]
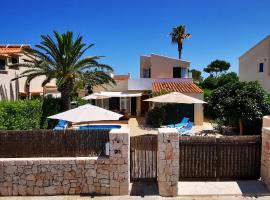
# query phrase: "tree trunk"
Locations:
[[240, 127], [65, 99], [180, 50], [66, 90]]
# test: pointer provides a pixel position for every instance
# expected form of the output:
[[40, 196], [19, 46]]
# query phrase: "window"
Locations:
[[177, 72], [261, 67], [2, 64], [14, 60], [147, 73]]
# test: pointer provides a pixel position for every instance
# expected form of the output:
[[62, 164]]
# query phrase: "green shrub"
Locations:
[[28, 114], [238, 102], [210, 83], [227, 78], [156, 117], [81, 101], [20, 115], [50, 106]]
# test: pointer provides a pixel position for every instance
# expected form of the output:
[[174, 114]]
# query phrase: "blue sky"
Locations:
[[122, 30]]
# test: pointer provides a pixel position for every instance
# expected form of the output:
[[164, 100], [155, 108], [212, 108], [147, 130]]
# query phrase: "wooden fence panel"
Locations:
[[239, 157], [225, 158], [49, 143], [143, 158], [197, 157]]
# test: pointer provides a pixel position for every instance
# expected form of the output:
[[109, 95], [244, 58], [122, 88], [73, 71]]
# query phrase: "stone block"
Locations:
[[124, 188], [91, 173], [51, 190], [114, 191]]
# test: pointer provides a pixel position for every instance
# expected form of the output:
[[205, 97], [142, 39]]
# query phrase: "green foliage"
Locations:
[[178, 35], [216, 67], [227, 78], [81, 101], [196, 76], [207, 93], [28, 114], [155, 94], [61, 58], [156, 117], [210, 83], [50, 106], [213, 83], [20, 115], [245, 101]]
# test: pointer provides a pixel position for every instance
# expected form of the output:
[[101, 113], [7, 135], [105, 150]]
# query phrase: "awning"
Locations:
[[94, 96], [118, 94]]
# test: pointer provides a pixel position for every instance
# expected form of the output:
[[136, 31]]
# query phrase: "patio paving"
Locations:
[[137, 127], [253, 187]]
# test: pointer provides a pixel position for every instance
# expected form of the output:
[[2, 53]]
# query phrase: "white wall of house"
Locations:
[[8, 73], [249, 64], [161, 66], [121, 86]]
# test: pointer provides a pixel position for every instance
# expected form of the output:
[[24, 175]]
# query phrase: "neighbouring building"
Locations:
[[157, 74], [254, 65], [11, 56]]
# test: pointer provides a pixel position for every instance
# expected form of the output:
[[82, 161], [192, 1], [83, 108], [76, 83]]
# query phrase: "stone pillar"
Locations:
[[119, 159], [168, 161], [265, 157]]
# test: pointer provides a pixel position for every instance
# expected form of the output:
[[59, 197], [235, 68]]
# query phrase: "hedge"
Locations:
[[28, 114]]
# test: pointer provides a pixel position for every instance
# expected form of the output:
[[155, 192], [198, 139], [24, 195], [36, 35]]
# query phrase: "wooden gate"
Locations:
[[143, 158], [225, 158]]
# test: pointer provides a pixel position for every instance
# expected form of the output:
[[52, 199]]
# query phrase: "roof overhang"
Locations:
[[118, 94]]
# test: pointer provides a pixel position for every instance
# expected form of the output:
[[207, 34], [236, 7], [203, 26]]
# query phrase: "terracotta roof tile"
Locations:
[[7, 49], [121, 77], [183, 87]]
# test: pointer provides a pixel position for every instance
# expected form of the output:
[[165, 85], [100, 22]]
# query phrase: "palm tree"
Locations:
[[178, 35], [61, 59]]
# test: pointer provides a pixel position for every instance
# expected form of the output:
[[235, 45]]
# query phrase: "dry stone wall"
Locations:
[[62, 176], [168, 161], [265, 156]]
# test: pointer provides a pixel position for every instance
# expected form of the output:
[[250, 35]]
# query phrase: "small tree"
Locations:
[[215, 68], [237, 102], [196, 76]]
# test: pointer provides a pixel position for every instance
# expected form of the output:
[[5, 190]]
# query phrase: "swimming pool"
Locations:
[[99, 127]]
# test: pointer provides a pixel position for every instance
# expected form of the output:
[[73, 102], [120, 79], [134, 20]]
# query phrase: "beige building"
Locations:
[[254, 65], [10, 58], [157, 74], [157, 67]]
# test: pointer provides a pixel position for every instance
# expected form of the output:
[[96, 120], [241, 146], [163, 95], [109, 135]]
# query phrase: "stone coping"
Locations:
[[167, 130], [121, 130], [54, 158], [266, 129]]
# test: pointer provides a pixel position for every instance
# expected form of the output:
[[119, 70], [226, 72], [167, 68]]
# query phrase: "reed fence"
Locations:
[[49, 143]]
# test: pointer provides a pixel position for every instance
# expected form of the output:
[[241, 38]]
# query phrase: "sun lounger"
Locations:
[[186, 130], [61, 125], [184, 122]]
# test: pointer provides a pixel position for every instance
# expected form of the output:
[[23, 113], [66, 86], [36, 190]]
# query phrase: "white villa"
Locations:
[[10, 55], [157, 74], [254, 65]]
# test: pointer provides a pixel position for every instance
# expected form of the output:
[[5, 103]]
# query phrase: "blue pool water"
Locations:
[[100, 127]]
